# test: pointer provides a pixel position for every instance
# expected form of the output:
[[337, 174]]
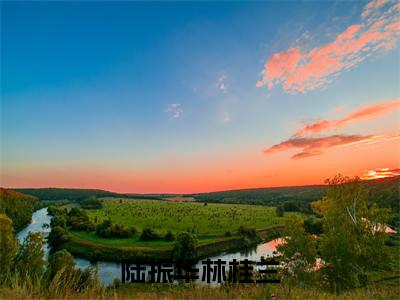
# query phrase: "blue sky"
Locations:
[[128, 88]]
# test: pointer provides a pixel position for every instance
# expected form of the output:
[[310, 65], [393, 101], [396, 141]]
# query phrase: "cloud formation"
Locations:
[[300, 71], [175, 110], [380, 173], [362, 113], [311, 146]]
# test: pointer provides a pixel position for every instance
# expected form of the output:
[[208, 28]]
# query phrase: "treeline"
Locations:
[[78, 195], [75, 195], [17, 206], [265, 196]]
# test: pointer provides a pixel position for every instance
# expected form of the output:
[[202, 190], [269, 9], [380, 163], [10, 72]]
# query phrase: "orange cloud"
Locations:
[[299, 71], [360, 114], [380, 173], [312, 146]]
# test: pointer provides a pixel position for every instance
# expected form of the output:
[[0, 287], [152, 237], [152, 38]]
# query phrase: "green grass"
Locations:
[[205, 220], [135, 240]]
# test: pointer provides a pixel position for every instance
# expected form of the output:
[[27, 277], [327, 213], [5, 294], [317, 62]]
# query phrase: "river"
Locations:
[[108, 271]]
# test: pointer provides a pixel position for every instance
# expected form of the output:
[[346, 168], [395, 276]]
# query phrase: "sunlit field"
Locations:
[[162, 216]]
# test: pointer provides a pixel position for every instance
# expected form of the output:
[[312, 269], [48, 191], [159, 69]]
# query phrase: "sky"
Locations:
[[187, 97]]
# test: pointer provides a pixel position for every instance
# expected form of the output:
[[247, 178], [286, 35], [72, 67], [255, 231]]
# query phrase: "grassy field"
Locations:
[[205, 220]]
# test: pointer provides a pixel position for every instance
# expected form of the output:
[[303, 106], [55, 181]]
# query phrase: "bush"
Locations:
[[313, 226], [228, 233], [185, 247], [91, 203], [57, 236], [169, 236], [247, 232], [79, 220], [108, 230], [149, 234]]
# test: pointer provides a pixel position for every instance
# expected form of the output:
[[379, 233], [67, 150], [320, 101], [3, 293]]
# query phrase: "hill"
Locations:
[[384, 191], [17, 206], [76, 195]]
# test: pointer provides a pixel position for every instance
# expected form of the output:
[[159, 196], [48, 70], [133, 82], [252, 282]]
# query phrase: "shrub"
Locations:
[[169, 236], [149, 234], [247, 232], [185, 247], [107, 230], [57, 236]]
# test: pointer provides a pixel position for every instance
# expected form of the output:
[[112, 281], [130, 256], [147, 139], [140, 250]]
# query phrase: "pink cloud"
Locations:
[[300, 71], [311, 146], [362, 113], [380, 173]]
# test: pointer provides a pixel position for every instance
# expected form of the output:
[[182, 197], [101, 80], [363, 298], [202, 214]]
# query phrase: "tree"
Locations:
[[185, 247], [280, 211], [169, 236], [353, 242], [57, 236], [8, 246], [298, 241], [60, 261], [149, 234], [29, 262], [313, 225]]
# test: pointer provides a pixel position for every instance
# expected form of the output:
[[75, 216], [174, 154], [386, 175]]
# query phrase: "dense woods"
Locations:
[[17, 206]]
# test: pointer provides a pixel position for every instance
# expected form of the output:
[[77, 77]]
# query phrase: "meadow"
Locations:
[[205, 220]]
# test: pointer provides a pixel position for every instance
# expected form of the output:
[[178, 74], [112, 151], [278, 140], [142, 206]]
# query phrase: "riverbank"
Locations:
[[93, 251]]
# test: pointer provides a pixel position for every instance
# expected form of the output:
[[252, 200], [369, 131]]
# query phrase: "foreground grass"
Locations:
[[160, 291]]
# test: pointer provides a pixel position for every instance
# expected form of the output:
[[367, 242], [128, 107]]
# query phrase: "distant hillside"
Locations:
[[76, 195], [383, 191], [17, 206], [270, 196]]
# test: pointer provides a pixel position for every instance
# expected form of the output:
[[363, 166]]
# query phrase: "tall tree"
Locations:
[[353, 242], [29, 262]]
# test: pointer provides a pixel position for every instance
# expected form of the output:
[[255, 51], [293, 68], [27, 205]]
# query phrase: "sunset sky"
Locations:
[[183, 97]]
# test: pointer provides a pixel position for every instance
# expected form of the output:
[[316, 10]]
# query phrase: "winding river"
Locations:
[[108, 271]]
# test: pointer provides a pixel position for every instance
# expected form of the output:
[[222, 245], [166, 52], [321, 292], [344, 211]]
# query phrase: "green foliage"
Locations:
[[18, 207], [169, 236], [280, 211], [148, 234], [59, 220], [60, 261], [385, 192], [353, 242], [247, 232], [8, 247], [313, 225], [57, 236], [79, 220], [79, 195], [298, 241], [185, 247], [76, 195], [107, 229], [91, 203], [265, 196], [29, 261]]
